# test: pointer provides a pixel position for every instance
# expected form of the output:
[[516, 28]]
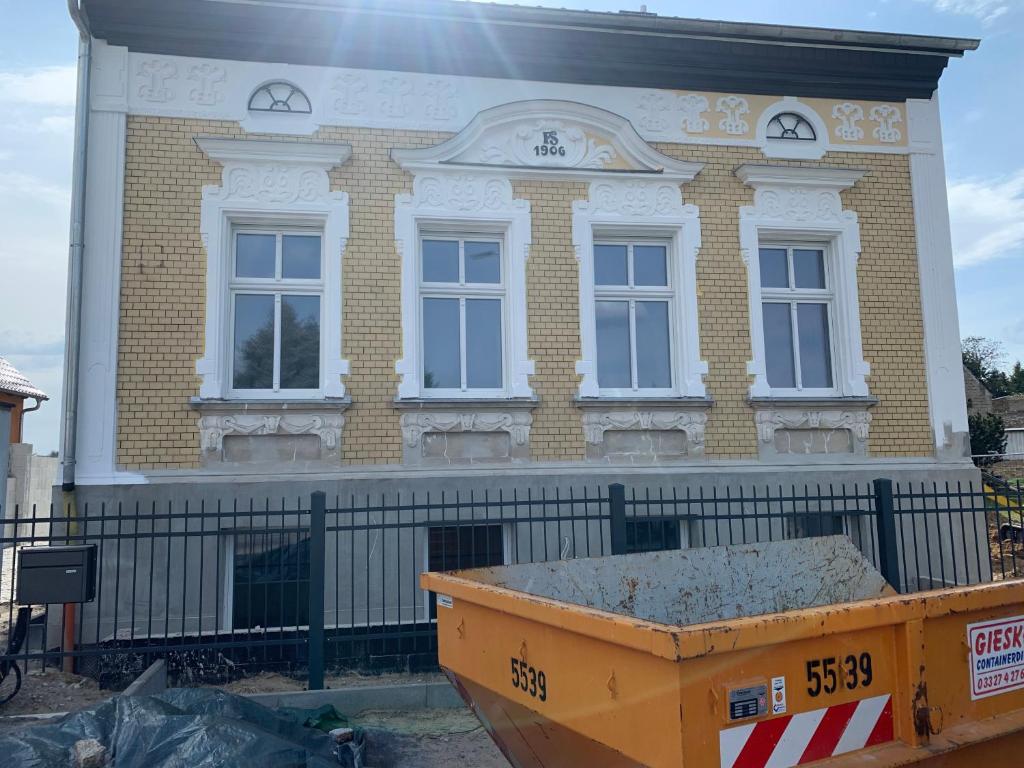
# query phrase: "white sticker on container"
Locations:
[[996, 656], [445, 601], [778, 695]]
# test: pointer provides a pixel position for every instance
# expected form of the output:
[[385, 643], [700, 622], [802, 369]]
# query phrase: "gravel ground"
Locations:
[[436, 738], [53, 691], [433, 738], [271, 682]]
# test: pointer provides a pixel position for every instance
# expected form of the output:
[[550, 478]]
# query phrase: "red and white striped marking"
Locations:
[[802, 738]]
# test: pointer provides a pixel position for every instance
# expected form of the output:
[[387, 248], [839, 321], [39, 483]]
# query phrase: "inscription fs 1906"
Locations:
[[549, 146]]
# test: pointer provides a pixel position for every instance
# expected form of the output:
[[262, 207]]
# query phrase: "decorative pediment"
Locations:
[[549, 138], [274, 172], [798, 196]]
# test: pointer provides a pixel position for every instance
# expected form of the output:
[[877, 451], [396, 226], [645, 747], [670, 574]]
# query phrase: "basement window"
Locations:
[[268, 580], [652, 535], [456, 547]]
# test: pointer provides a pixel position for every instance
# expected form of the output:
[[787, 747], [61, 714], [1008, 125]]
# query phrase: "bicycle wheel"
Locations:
[[11, 684]]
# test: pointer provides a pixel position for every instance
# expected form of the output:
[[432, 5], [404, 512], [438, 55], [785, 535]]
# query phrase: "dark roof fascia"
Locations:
[[474, 39], [628, 22]]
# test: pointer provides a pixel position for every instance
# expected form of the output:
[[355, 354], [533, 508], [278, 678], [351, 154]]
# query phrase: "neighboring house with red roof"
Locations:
[[15, 389]]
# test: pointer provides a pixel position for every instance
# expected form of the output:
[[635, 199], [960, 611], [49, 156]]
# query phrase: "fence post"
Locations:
[[617, 507], [885, 516], [317, 547]]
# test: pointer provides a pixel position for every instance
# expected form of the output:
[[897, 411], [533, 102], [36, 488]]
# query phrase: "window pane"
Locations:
[[808, 268], [300, 257], [774, 272], [778, 345], [651, 535], [649, 265], [815, 355], [483, 262], [255, 255], [610, 265], [440, 261], [653, 356], [254, 342], [453, 547], [300, 342], [613, 366], [441, 354], [483, 343]]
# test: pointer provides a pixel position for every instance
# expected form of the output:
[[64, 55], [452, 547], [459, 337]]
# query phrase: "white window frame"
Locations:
[[466, 205], [277, 287], [631, 294], [463, 291], [802, 205], [793, 296], [271, 185], [642, 211]]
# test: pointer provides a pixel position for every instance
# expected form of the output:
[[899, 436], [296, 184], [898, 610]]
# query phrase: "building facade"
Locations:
[[416, 242]]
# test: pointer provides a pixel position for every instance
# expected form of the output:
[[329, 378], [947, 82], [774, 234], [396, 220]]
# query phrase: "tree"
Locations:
[[988, 438], [1017, 379], [981, 355], [984, 358], [998, 383]]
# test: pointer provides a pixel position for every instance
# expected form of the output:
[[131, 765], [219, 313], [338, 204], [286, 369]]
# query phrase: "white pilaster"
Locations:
[[946, 397], [101, 271]]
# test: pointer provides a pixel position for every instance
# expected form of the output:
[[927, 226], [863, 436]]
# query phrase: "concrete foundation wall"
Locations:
[[164, 582]]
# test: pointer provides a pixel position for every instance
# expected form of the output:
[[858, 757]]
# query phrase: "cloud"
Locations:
[[1014, 333], [987, 217], [27, 343], [47, 86], [61, 124], [22, 186], [986, 11]]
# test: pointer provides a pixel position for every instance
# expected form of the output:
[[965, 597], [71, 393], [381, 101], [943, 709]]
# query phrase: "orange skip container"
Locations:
[[748, 656]]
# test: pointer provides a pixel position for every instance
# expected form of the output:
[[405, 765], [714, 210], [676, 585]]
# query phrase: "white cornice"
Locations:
[[606, 145], [219, 89], [315, 154], [832, 179]]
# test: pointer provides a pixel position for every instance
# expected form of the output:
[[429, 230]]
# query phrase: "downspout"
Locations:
[[69, 428], [73, 326]]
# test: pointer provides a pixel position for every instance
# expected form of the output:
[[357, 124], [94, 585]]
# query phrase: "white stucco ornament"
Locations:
[[270, 180], [550, 137], [805, 202]]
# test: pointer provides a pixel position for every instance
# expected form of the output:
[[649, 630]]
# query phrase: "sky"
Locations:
[[982, 119]]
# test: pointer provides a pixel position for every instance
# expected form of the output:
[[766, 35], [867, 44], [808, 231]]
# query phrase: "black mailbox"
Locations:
[[63, 574]]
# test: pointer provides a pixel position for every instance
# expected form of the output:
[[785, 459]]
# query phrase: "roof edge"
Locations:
[[639, 23]]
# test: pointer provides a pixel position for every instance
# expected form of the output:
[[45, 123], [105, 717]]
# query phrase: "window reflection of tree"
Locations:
[[300, 353]]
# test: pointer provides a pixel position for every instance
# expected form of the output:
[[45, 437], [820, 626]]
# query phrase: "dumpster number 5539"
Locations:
[[829, 673], [532, 681]]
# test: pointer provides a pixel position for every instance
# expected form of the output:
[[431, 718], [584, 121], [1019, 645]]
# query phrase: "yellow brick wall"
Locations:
[[552, 312], [890, 299], [163, 297]]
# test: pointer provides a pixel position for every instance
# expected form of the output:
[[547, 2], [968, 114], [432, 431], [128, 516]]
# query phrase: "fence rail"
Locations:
[[334, 582]]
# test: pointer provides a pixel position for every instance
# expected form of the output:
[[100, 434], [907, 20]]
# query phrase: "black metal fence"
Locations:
[[335, 583]]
